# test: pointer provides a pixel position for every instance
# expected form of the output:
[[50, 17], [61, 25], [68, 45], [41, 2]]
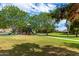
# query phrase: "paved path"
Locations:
[[63, 38]]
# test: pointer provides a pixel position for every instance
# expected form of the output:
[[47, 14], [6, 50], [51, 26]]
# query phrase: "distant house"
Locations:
[[5, 30], [1, 30]]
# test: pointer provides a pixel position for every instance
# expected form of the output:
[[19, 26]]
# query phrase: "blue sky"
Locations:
[[36, 8], [33, 8], [61, 25]]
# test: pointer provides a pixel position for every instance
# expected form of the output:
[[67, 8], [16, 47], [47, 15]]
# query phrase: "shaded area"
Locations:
[[73, 45], [32, 49]]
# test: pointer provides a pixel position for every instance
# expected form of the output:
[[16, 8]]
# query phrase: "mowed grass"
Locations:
[[7, 42], [64, 35]]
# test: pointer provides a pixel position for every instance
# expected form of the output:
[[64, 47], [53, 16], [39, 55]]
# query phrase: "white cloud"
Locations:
[[61, 25], [63, 28], [43, 8], [23, 6], [31, 8]]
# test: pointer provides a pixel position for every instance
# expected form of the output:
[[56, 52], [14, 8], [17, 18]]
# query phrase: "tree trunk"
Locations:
[[76, 34], [68, 33], [47, 33]]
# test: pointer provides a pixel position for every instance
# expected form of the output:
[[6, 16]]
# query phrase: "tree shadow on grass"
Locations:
[[57, 51], [73, 45], [32, 49]]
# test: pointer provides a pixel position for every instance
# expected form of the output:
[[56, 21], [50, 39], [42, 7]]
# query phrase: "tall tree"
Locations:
[[42, 22], [15, 17], [60, 13]]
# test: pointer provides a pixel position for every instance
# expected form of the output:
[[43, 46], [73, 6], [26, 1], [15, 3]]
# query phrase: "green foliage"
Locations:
[[3, 21], [55, 13], [74, 28], [12, 16], [41, 22]]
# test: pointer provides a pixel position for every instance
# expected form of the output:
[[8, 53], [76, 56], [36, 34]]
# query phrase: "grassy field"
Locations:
[[9, 41], [6, 42]]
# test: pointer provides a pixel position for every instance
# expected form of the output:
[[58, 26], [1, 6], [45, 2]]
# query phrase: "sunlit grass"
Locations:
[[6, 42], [64, 35], [9, 41]]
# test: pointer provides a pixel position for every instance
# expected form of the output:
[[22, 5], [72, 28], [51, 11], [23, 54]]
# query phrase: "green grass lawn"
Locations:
[[64, 35], [8, 42]]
